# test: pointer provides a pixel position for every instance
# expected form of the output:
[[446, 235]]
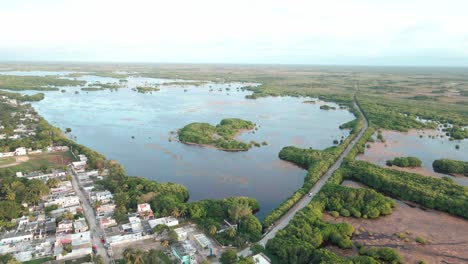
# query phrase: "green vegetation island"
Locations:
[[449, 166], [220, 136], [405, 162]]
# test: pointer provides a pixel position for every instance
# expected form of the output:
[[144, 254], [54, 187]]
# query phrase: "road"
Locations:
[[88, 211], [285, 219]]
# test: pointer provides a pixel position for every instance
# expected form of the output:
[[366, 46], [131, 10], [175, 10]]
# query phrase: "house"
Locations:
[[65, 186], [184, 252], [50, 226], [107, 222], [14, 237], [104, 196], [134, 225], [21, 152], [64, 201], [64, 226], [181, 233], [82, 158], [105, 209], [79, 166], [145, 212], [168, 221], [261, 259], [80, 225]]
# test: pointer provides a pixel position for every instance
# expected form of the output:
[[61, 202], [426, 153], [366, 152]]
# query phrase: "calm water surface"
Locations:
[[427, 149], [106, 121]]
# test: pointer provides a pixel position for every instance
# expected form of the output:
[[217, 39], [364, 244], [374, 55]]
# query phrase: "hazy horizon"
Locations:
[[359, 33]]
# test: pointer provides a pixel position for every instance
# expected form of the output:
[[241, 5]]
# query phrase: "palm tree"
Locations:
[[165, 243], [175, 212], [231, 232], [183, 211], [138, 257], [212, 230], [129, 254]]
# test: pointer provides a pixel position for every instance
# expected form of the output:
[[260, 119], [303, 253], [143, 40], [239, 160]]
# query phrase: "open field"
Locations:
[[40, 161], [446, 236], [4, 162]]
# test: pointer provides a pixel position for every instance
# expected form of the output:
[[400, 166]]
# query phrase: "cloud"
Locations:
[[255, 31]]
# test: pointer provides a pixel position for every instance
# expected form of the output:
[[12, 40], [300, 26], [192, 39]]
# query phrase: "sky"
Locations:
[[329, 32]]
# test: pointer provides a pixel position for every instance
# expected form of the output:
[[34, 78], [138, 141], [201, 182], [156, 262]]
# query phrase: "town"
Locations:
[[72, 217]]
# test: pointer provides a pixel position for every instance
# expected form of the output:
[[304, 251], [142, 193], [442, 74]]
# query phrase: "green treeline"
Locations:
[[301, 240], [362, 202], [450, 166], [327, 107], [147, 89], [220, 136], [405, 162], [456, 132], [169, 199], [400, 114], [23, 98], [15, 192], [428, 191], [42, 83], [316, 162]]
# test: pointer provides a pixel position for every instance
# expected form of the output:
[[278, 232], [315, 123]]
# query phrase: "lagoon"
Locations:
[[107, 120]]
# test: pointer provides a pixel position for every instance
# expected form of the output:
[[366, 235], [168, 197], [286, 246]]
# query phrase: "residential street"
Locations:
[[95, 230]]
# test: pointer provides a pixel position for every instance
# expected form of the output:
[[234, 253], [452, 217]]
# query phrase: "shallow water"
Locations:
[[427, 149], [106, 121]]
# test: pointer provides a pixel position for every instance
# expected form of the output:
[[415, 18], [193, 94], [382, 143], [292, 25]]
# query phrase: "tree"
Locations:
[[212, 230], [165, 243], [99, 259], [175, 212], [138, 257], [129, 254], [229, 257], [231, 232], [239, 210], [53, 182]]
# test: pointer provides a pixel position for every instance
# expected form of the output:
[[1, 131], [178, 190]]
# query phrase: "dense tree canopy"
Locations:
[[220, 136]]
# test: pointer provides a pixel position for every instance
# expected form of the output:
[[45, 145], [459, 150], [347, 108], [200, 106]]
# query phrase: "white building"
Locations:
[[104, 196], [261, 259], [64, 201], [21, 152], [168, 221]]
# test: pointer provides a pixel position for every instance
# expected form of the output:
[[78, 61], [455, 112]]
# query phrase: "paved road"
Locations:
[[284, 220], [95, 230]]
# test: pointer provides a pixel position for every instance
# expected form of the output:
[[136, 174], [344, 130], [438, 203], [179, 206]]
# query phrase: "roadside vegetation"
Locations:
[[405, 162], [220, 136], [316, 162], [430, 192]]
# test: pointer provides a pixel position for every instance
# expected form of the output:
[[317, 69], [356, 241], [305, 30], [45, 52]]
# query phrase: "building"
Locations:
[[64, 226], [168, 221], [21, 152], [181, 233], [261, 259], [107, 222], [79, 166], [105, 209], [80, 225], [64, 201], [184, 252], [134, 225], [145, 212], [104, 196]]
